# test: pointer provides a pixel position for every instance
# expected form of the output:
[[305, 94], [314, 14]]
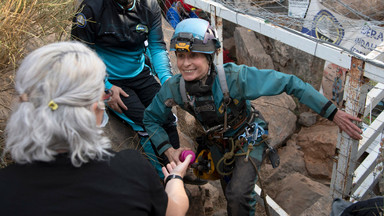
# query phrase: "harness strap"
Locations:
[[182, 90], [223, 83], [187, 103]]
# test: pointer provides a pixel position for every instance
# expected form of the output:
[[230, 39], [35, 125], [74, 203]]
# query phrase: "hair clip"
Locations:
[[53, 105]]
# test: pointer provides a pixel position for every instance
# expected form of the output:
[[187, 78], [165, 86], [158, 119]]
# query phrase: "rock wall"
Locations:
[[256, 50]]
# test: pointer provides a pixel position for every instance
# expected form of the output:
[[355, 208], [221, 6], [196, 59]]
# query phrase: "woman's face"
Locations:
[[192, 66]]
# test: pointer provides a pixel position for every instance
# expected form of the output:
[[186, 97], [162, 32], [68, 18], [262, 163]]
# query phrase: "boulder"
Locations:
[[307, 119], [250, 51], [206, 200], [298, 193], [168, 32], [322, 207], [318, 144], [278, 112], [122, 136], [257, 50], [291, 161], [290, 60]]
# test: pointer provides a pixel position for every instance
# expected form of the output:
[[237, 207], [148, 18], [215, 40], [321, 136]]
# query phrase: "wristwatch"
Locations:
[[172, 176]]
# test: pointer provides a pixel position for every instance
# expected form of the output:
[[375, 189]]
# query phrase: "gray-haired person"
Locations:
[[63, 165]]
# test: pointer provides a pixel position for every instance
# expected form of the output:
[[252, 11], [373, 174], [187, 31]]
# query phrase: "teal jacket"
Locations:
[[244, 83]]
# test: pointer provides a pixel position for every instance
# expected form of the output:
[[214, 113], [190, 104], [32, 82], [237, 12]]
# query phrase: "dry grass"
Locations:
[[24, 26], [29, 23]]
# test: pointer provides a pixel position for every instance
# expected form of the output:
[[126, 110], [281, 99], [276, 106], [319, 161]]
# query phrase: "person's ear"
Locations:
[[98, 108]]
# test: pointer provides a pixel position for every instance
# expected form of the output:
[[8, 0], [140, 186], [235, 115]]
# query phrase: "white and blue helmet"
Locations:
[[194, 35]]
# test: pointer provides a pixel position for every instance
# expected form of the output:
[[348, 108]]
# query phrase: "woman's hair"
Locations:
[[57, 84]]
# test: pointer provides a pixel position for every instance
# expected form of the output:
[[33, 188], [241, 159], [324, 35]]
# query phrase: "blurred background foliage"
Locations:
[[26, 24]]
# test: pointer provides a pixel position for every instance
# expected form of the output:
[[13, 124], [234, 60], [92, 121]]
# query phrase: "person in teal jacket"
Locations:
[[225, 111]]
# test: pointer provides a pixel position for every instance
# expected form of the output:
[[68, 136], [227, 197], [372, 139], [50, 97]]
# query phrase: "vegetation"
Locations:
[[25, 24]]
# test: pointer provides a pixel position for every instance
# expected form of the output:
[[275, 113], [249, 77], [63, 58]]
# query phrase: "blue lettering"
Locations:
[[368, 33], [380, 37], [373, 33], [364, 29], [362, 42], [366, 45]]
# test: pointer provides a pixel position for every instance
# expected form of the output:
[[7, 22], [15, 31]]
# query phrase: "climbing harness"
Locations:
[[251, 134], [238, 111]]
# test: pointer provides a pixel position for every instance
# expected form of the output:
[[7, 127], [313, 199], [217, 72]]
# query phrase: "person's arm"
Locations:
[[270, 82], [156, 114], [178, 203], [157, 46]]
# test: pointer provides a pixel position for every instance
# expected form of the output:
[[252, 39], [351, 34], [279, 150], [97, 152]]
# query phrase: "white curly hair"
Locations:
[[69, 75]]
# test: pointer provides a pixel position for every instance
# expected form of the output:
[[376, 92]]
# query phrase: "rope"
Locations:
[[262, 193], [232, 155], [229, 157]]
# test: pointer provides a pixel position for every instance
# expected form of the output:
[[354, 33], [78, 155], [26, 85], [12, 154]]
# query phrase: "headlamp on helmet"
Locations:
[[184, 42], [194, 35]]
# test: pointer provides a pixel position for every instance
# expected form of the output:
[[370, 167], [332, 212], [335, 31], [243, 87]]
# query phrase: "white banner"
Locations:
[[298, 8], [358, 36]]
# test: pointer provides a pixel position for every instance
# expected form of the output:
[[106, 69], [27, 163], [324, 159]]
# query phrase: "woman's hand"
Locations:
[[344, 121], [173, 155], [179, 169], [178, 203]]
